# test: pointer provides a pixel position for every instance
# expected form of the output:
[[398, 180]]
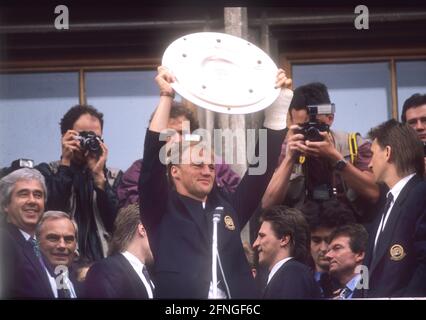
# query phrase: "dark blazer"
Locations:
[[293, 280], [23, 274], [179, 229], [114, 278], [398, 268]]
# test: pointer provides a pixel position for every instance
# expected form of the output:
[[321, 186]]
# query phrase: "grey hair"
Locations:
[[53, 215], [8, 182]]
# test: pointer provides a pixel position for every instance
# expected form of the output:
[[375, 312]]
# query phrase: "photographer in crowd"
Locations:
[[81, 184], [318, 163]]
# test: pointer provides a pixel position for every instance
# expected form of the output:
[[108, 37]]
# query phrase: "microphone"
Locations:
[[217, 213]]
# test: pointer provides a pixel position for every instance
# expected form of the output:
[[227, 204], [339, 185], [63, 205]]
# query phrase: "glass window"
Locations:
[[127, 100], [361, 92], [411, 77], [31, 106]]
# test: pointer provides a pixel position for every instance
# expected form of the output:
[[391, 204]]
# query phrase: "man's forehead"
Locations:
[[416, 112], [197, 155], [340, 240], [58, 226], [31, 184]]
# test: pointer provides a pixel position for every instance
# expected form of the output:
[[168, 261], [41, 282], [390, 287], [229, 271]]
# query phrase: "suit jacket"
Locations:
[[398, 268], [23, 274], [114, 278], [293, 280], [179, 228]]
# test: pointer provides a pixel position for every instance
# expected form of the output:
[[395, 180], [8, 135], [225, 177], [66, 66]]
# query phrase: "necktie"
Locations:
[[147, 277], [345, 293], [389, 200], [64, 293], [33, 242]]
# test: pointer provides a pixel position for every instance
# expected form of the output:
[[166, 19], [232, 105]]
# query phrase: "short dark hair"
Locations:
[[75, 112], [177, 110], [327, 214], [356, 233], [407, 148], [309, 94], [290, 221], [416, 100]]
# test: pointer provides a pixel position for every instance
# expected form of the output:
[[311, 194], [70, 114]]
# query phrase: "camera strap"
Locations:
[[353, 146]]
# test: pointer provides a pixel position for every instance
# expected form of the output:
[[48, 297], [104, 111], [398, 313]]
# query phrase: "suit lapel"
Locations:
[[134, 281], [386, 236], [28, 252]]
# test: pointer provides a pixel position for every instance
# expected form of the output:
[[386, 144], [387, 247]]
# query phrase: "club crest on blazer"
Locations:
[[397, 252], [229, 223]]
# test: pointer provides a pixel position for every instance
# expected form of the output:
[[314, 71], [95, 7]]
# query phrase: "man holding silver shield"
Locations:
[[178, 213]]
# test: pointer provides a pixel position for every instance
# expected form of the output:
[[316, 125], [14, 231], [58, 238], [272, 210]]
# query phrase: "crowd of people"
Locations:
[[341, 216]]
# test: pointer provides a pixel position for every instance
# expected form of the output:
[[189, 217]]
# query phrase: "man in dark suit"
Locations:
[[283, 247], [323, 218], [22, 200], [178, 216], [123, 275], [346, 254], [56, 234], [397, 248]]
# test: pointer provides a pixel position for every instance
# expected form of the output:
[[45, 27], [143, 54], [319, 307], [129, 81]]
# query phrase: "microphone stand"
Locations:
[[216, 219]]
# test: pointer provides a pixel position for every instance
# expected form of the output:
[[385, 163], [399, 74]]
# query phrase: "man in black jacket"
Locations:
[[81, 184], [178, 216], [283, 247], [396, 254], [124, 274]]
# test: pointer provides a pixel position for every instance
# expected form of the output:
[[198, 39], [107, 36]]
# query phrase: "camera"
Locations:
[[311, 129], [89, 141]]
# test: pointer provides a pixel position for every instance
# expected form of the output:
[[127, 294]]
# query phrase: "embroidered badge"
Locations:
[[229, 223], [397, 252]]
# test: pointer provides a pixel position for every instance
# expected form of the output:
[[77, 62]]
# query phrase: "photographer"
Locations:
[[80, 184], [335, 164]]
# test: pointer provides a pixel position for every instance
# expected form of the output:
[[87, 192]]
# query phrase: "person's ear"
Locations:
[[284, 241], [388, 152], [175, 172], [359, 257], [141, 230]]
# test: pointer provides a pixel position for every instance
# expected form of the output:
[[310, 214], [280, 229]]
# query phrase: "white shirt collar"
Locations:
[[26, 235], [276, 267], [396, 190], [63, 278], [137, 265], [353, 282]]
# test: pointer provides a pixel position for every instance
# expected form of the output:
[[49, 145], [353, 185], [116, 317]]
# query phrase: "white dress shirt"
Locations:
[[276, 267], [62, 278], [26, 235], [138, 266], [396, 190]]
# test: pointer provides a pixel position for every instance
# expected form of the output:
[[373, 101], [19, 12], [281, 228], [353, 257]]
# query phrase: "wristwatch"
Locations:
[[340, 165]]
